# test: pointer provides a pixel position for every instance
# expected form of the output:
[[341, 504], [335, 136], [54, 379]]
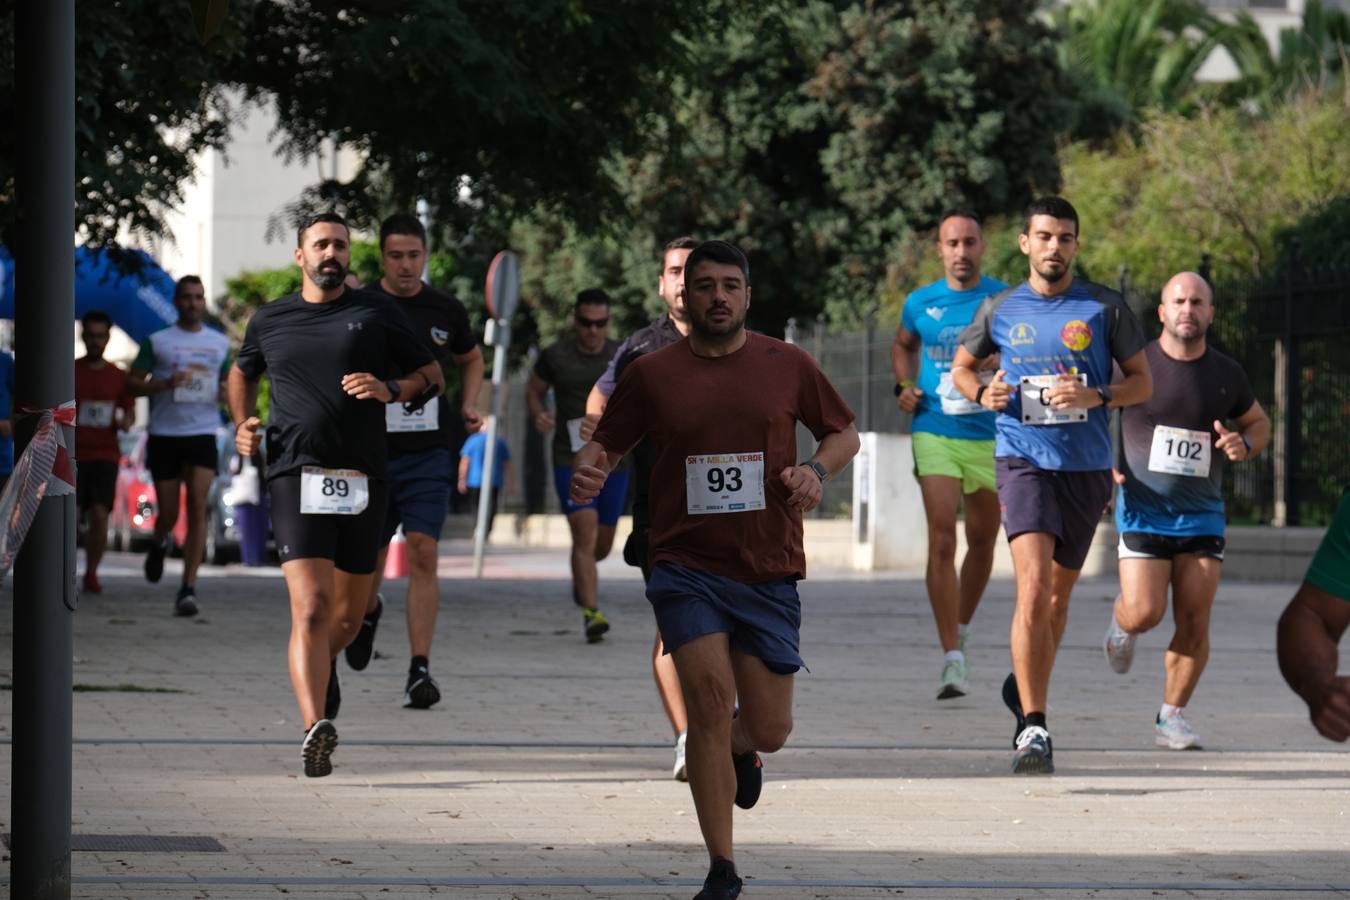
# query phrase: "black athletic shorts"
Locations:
[[1067, 505], [1145, 545], [95, 483], [166, 456], [351, 542]]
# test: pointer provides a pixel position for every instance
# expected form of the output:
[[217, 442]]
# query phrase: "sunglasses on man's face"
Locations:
[[583, 322]]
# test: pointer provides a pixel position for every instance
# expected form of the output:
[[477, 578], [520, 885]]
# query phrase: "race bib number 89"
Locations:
[[724, 483], [1179, 451], [333, 492]]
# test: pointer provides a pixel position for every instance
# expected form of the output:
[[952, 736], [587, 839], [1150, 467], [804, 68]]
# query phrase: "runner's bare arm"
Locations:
[[595, 408], [471, 385], [834, 452], [1137, 385], [534, 399], [590, 467], [1309, 631], [905, 362], [964, 364], [1251, 437], [242, 395]]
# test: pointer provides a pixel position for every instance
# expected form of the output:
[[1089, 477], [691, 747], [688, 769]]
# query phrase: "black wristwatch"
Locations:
[[1105, 394], [394, 389], [817, 468]]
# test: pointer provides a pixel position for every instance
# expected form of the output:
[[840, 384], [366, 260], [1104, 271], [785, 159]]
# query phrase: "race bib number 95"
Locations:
[[724, 483], [397, 419], [333, 492]]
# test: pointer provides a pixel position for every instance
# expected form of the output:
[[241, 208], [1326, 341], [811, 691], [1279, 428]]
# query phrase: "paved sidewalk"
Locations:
[[545, 772]]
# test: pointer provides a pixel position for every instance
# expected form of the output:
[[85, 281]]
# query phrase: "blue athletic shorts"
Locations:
[[609, 504], [419, 492], [764, 620]]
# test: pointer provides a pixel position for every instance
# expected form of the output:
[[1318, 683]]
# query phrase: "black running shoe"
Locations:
[[154, 561], [362, 647], [421, 692], [749, 778], [1013, 700], [722, 882], [185, 604], [1035, 752], [317, 749], [332, 701]]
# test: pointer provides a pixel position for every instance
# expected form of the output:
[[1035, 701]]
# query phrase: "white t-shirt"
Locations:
[[192, 408]]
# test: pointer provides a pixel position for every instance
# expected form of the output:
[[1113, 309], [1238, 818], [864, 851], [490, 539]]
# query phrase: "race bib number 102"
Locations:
[[724, 483], [333, 492], [1179, 451]]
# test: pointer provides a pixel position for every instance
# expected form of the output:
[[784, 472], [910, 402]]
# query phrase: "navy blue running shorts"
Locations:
[[1068, 505], [419, 492], [608, 505], [764, 620]]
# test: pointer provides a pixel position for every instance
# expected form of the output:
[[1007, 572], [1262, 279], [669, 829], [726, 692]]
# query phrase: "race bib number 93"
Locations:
[[724, 483]]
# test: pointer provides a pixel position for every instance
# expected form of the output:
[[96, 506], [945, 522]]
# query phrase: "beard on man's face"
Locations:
[[328, 274]]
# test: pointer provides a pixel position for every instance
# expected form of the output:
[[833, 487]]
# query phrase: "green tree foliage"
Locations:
[[1225, 182], [471, 106], [822, 137], [145, 104], [1309, 57]]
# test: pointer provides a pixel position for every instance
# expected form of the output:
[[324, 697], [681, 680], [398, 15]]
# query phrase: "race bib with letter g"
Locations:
[[1036, 408]]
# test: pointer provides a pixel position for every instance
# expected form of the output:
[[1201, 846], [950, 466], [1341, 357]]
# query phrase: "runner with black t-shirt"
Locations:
[[1169, 463], [330, 352], [421, 456]]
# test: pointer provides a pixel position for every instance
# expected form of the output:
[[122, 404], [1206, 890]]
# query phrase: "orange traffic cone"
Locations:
[[396, 561]]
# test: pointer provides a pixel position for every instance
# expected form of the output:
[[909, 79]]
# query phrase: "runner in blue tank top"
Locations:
[[953, 439], [1056, 336]]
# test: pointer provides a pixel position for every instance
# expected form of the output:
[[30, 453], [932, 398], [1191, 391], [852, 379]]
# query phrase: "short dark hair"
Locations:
[[315, 219], [403, 223], [683, 242], [1055, 207], [186, 280], [727, 254], [960, 212], [590, 297], [96, 317]]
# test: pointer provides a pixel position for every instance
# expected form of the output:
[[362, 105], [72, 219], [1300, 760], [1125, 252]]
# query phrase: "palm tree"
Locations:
[[1310, 57], [1131, 55]]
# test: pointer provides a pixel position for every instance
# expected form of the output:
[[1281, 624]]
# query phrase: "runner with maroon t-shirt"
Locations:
[[727, 496], [103, 408]]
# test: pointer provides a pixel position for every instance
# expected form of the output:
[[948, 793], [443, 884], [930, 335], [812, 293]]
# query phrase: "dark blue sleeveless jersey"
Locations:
[[1078, 332]]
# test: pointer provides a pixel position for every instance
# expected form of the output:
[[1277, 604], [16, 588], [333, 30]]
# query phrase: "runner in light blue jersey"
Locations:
[[953, 438]]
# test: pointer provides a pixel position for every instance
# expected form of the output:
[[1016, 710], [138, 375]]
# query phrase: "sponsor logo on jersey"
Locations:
[[1076, 335], [935, 312], [439, 336], [1021, 334]]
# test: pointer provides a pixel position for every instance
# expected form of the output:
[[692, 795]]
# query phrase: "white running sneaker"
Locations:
[[1175, 733], [1119, 646], [953, 680], [679, 771]]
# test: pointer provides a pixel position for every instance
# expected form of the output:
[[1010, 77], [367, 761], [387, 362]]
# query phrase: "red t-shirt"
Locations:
[[98, 392], [722, 429]]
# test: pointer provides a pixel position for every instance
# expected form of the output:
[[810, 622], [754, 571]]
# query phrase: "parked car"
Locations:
[[131, 522]]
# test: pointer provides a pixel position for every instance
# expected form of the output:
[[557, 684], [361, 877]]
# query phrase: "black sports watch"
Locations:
[[1105, 394], [394, 389], [817, 468]]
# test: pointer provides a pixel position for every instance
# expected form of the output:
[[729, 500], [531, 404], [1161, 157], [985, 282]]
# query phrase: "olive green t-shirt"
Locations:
[[571, 374]]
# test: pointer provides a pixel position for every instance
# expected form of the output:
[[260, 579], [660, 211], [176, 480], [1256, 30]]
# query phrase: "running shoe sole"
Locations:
[[749, 778], [1013, 700], [1033, 762], [950, 692], [317, 750], [421, 694]]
